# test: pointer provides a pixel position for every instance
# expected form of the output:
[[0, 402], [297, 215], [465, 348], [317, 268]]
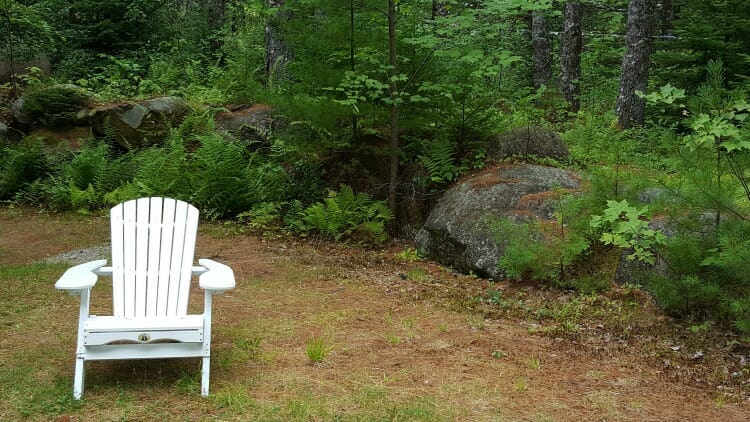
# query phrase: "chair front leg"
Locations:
[[206, 364], [80, 371]]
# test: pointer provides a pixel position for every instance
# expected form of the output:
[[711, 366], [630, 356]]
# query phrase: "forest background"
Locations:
[[647, 95]]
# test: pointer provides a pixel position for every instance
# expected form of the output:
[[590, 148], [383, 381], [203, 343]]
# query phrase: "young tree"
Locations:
[[630, 108], [570, 53]]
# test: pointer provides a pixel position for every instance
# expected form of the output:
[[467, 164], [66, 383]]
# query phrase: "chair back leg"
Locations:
[[205, 370]]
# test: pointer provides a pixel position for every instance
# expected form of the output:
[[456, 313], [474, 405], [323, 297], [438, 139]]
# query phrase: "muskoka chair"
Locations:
[[153, 242]]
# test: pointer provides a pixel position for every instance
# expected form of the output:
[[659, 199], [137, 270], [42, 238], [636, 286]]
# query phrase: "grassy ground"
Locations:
[[322, 332]]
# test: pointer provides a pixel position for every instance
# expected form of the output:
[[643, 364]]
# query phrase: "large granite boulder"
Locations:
[[459, 233], [252, 125], [138, 124], [527, 142]]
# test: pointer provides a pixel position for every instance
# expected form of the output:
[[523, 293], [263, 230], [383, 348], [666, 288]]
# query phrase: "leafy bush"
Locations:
[[627, 227], [345, 213]]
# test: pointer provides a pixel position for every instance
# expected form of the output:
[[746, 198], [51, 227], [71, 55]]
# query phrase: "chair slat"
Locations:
[[188, 251], [118, 276], [154, 250], [129, 239], [178, 241], [165, 260], [143, 207]]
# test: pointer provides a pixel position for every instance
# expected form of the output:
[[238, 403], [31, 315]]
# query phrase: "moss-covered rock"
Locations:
[[528, 142], [54, 106], [136, 125]]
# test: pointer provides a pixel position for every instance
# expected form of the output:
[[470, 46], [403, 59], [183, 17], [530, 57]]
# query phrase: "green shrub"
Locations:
[[625, 226], [544, 250]]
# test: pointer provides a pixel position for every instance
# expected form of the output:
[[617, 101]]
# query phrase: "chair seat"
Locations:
[[109, 329]]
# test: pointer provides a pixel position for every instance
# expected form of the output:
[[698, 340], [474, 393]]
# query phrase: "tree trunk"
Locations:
[[542, 50], [570, 54], [667, 16], [439, 9], [393, 92], [630, 108], [352, 66], [277, 52], [216, 12]]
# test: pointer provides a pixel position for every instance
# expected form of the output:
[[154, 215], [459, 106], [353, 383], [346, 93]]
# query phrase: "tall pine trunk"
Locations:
[[667, 16], [278, 53], [393, 92], [630, 108], [570, 54], [542, 50]]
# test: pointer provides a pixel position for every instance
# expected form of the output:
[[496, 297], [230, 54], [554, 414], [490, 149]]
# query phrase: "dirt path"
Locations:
[[393, 343]]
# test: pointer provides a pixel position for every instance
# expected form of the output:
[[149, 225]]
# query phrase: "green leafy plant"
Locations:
[[345, 213], [439, 160], [409, 255], [625, 226]]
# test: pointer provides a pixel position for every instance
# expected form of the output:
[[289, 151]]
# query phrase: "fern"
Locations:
[[19, 167], [439, 161], [343, 213]]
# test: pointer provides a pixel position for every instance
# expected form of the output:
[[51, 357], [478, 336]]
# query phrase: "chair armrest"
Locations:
[[82, 276], [217, 276]]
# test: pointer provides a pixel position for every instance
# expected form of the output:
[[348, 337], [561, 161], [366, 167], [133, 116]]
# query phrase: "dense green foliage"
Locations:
[[461, 74]]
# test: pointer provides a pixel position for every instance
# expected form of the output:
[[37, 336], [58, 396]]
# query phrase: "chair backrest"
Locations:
[[153, 243]]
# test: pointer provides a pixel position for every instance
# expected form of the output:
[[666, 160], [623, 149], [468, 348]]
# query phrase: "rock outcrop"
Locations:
[[251, 125], [528, 141], [459, 230], [138, 124]]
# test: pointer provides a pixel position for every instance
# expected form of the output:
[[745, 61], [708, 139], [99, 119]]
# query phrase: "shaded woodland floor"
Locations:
[[405, 341]]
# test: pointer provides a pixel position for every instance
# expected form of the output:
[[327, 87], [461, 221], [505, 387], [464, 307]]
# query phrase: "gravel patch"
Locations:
[[80, 256]]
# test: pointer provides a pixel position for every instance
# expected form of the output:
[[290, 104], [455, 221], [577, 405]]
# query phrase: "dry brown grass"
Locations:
[[442, 366]]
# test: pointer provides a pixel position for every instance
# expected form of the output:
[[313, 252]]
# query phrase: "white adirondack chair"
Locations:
[[153, 242]]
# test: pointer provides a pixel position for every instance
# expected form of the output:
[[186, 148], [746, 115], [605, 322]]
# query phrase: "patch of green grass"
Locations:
[[27, 287], [317, 350], [31, 393], [417, 274], [533, 362], [234, 399], [521, 384], [188, 383]]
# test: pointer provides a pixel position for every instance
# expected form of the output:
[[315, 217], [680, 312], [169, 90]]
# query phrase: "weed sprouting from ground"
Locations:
[[317, 350]]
